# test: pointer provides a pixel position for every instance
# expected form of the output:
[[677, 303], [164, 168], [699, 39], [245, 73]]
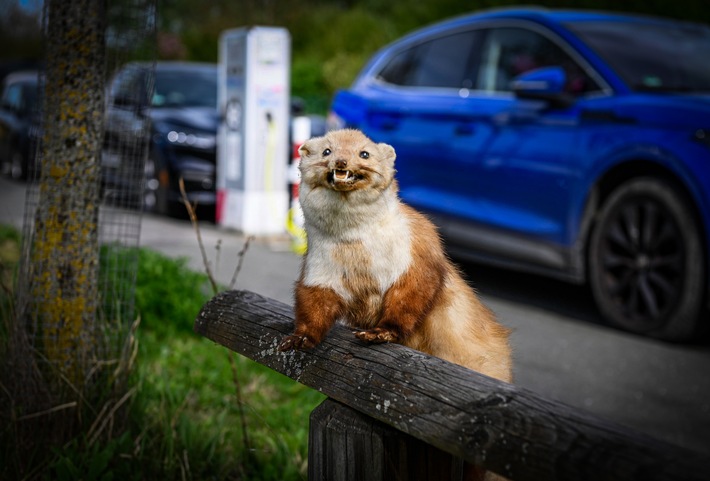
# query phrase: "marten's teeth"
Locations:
[[342, 175]]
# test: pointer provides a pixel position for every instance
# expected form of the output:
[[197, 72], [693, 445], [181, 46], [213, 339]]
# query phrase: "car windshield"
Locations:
[[671, 57], [185, 88]]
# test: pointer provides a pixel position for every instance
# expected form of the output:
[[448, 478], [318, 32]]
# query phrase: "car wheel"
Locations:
[[646, 261]]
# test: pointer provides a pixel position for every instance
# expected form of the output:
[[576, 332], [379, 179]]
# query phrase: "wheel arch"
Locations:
[[616, 176]]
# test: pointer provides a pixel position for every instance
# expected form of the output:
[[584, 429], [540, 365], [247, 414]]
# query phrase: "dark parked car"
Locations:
[[181, 120], [19, 124], [569, 143]]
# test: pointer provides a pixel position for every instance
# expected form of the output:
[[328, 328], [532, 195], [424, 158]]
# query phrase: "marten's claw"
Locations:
[[377, 335], [296, 342]]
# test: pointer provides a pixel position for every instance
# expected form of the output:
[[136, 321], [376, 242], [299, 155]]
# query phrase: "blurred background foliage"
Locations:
[[332, 39]]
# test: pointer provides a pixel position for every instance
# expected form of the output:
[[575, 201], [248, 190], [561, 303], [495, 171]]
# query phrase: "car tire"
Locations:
[[646, 261]]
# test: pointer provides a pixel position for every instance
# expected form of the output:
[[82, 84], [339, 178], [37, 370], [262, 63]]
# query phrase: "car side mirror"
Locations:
[[547, 84]]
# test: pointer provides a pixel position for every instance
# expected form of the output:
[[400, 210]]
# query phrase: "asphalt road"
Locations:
[[562, 348]]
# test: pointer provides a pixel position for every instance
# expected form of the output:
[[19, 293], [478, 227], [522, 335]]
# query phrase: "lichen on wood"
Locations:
[[65, 250]]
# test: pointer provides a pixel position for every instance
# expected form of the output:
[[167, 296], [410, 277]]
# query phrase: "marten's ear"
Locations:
[[387, 152], [309, 147]]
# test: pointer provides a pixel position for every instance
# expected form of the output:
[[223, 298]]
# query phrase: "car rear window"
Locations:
[[661, 56]]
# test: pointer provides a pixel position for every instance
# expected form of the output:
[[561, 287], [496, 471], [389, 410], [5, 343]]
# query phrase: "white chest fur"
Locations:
[[351, 242]]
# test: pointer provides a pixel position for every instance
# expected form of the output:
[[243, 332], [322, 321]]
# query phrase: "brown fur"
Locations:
[[379, 266]]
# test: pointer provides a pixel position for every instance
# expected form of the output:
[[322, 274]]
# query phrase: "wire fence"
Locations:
[[83, 205], [129, 35]]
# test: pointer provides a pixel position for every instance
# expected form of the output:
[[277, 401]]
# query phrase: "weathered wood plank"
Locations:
[[346, 445], [501, 427]]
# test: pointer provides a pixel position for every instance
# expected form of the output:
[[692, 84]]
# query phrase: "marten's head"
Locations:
[[346, 160]]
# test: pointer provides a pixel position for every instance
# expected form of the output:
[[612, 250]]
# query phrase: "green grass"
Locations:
[[186, 413], [184, 419], [9, 258]]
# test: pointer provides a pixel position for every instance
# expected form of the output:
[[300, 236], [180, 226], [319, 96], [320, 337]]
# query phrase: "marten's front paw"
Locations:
[[297, 342], [377, 335]]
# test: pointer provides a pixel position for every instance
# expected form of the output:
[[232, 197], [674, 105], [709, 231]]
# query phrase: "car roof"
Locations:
[[176, 65], [167, 65], [547, 16]]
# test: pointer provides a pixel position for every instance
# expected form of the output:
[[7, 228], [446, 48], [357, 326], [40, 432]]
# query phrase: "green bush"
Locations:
[[168, 294], [308, 82]]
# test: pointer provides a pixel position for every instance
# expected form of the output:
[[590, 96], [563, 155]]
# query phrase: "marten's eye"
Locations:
[[364, 155], [327, 152]]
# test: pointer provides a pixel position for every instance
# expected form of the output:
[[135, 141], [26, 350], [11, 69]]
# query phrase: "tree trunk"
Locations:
[[64, 262]]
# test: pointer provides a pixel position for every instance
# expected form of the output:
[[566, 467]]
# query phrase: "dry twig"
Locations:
[[240, 262], [238, 388], [193, 219], [95, 430], [237, 384], [54, 409]]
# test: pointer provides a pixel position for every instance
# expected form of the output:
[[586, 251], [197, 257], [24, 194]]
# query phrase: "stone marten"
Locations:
[[378, 266]]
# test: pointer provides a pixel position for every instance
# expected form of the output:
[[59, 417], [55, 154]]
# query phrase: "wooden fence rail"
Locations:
[[501, 427]]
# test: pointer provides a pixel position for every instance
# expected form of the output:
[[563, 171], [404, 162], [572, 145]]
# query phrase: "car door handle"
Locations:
[[389, 125], [384, 121]]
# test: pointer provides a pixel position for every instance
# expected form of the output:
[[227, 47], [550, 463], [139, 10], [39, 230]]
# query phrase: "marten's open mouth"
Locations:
[[337, 176]]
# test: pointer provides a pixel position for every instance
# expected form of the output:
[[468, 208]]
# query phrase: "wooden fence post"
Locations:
[[346, 445]]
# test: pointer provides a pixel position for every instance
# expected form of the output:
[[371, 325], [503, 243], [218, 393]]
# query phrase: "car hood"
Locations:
[[201, 118]]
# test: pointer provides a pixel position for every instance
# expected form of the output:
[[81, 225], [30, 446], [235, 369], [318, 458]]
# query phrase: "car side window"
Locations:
[[444, 62], [12, 97], [511, 51]]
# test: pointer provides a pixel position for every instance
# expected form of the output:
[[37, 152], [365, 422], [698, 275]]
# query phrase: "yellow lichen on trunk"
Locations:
[[65, 251]]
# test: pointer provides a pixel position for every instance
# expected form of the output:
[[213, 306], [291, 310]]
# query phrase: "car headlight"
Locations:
[[194, 140]]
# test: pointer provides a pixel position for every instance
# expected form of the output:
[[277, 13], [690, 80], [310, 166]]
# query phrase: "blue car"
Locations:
[[567, 143]]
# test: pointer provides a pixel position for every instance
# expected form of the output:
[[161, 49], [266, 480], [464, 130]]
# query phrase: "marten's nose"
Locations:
[[341, 164]]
